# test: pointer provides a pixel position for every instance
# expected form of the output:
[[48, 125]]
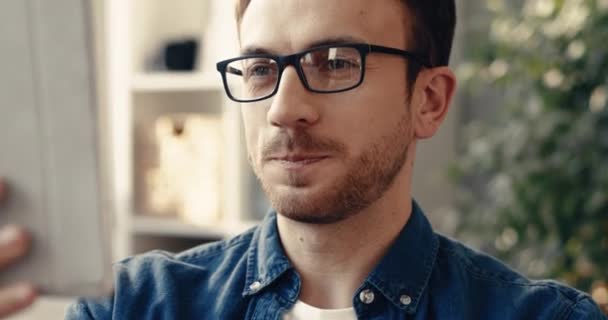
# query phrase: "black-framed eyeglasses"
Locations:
[[324, 69]]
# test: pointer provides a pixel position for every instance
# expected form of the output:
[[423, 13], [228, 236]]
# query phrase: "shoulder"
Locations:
[[144, 280], [204, 257], [484, 278], [157, 268]]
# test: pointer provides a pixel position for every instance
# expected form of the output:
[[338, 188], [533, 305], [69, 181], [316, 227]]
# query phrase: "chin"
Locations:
[[325, 194], [311, 205]]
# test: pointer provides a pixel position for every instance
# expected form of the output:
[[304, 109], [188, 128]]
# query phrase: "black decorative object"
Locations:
[[181, 55]]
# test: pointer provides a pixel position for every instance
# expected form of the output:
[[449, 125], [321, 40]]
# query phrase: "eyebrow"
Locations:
[[253, 50]]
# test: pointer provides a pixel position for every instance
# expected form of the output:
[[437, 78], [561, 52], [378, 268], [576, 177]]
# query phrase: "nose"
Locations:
[[292, 106]]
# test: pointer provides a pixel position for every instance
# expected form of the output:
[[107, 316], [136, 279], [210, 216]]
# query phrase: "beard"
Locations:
[[368, 175]]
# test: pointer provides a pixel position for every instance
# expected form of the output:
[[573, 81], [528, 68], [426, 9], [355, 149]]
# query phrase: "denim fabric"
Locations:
[[423, 276]]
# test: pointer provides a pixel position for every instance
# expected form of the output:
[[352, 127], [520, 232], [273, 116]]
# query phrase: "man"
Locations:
[[14, 243], [335, 95]]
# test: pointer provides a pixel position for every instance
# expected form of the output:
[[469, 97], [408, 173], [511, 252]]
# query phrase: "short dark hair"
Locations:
[[432, 32]]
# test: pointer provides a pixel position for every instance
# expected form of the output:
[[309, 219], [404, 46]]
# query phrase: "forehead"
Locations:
[[291, 25]]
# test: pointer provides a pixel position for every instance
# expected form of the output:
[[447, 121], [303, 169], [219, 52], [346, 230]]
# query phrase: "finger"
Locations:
[[14, 244], [15, 298], [3, 190]]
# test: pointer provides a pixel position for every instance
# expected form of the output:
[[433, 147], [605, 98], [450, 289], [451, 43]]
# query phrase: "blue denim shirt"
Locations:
[[423, 276]]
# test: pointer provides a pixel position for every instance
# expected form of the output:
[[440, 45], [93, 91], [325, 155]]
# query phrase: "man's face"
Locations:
[[324, 157]]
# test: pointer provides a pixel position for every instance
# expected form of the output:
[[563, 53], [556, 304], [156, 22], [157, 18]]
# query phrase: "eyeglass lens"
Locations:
[[325, 70]]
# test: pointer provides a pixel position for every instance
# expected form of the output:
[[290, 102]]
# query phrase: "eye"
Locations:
[[261, 68], [340, 64]]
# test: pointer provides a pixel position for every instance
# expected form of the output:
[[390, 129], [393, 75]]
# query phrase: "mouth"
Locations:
[[296, 161]]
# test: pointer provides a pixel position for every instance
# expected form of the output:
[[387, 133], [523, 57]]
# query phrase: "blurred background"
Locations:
[[126, 108]]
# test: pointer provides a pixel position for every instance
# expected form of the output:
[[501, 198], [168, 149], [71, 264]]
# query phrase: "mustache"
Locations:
[[301, 141]]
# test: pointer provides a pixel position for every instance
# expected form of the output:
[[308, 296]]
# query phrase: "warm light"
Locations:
[[499, 68], [553, 78], [576, 49], [600, 294], [188, 177], [598, 99]]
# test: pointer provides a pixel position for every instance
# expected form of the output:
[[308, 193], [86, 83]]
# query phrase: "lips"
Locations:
[[298, 158], [297, 161]]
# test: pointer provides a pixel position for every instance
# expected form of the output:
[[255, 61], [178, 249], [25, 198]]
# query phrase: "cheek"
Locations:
[[387, 77], [373, 110], [368, 115], [253, 123]]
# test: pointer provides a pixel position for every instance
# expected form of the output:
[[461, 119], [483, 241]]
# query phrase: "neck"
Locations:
[[333, 260]]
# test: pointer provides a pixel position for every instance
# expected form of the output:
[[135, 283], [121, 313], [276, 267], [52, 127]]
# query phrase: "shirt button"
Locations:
[[367, 296], [405, 300], [255, 286]]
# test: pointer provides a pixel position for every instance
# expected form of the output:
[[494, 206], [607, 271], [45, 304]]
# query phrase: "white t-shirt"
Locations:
[[302, 311]]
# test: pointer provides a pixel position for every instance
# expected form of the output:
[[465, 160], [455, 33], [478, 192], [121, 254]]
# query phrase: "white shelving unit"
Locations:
[[137, 92], [174, 228], [175, 82]]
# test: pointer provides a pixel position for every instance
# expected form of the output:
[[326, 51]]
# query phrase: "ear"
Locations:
[[433, 92]]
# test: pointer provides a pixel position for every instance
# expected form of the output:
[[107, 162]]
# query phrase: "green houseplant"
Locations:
[[533, 179]]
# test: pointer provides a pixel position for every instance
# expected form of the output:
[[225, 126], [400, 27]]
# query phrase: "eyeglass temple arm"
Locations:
[[234, 71], [406, 54]]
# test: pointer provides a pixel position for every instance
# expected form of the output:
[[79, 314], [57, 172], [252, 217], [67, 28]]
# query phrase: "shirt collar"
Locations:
[[266, 260], [405, 269]]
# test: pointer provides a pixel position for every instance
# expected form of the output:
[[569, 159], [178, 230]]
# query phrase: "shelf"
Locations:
[[159, 226], [136, 31], [176, 81]]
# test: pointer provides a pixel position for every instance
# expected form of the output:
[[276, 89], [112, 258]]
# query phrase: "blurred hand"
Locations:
[[14, 244]]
